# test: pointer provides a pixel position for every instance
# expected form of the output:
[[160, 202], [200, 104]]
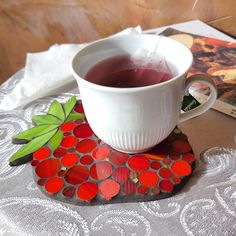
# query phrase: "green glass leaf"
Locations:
[[56, 109], [30, 147], [46, 120], [34, 132], [74, 116], [22, 160], [55, 141], [69, 105]]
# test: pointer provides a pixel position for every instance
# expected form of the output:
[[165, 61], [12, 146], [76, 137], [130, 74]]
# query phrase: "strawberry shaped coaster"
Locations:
[[71, 164]]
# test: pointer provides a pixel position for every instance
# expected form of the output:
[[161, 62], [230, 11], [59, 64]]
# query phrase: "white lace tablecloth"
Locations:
[[206, 206]]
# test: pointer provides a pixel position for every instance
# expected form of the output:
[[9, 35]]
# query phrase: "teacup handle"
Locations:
[[206, 105]]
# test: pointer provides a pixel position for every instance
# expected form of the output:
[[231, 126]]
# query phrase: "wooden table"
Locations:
[[29, 26]]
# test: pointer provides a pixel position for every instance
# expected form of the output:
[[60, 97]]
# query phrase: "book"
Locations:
[[216, 58]]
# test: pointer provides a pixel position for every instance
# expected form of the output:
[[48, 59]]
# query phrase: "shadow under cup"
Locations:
[[132, 119]]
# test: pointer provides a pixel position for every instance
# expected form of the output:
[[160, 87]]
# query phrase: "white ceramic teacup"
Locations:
[[134, 120]]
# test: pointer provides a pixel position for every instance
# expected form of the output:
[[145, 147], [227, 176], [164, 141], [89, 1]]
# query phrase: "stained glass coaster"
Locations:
[[83, 170]]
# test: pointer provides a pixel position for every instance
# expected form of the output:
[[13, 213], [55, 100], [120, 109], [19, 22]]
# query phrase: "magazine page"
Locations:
[[214, 57]]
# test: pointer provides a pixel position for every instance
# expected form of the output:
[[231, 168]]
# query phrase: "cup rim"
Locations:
[[132, 89]]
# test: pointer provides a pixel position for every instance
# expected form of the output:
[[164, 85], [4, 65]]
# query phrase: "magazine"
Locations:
[[214, 57]]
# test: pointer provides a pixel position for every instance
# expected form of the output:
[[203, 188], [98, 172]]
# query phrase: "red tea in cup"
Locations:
[[123, 72]]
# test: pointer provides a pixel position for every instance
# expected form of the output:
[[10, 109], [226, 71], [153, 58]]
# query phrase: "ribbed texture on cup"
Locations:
[[135, 142]]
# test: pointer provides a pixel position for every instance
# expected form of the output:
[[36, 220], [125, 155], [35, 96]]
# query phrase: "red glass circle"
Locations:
[[189, 157], [83, 131], [118, 158], [34, 162], [155, 165], [79, 108], [54, 185], [175, 157], [181, 168], [87, 191], [109, 188], [77, 175], [129, 187], [68, 141], [166, 186], [86, 160], [59, 152], [142, 189], [79, 121], [101, 170], [176, 179], [68, 191], [47, 168], [42, 182], [155, 190], [148, 178], [138, 163], [121, 174], [69, 159], [86, 146], [68, 126], [166, 161], [101, 153], [71, 150], [61, 173], [165, 173], [42, 153], [180, 146]]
